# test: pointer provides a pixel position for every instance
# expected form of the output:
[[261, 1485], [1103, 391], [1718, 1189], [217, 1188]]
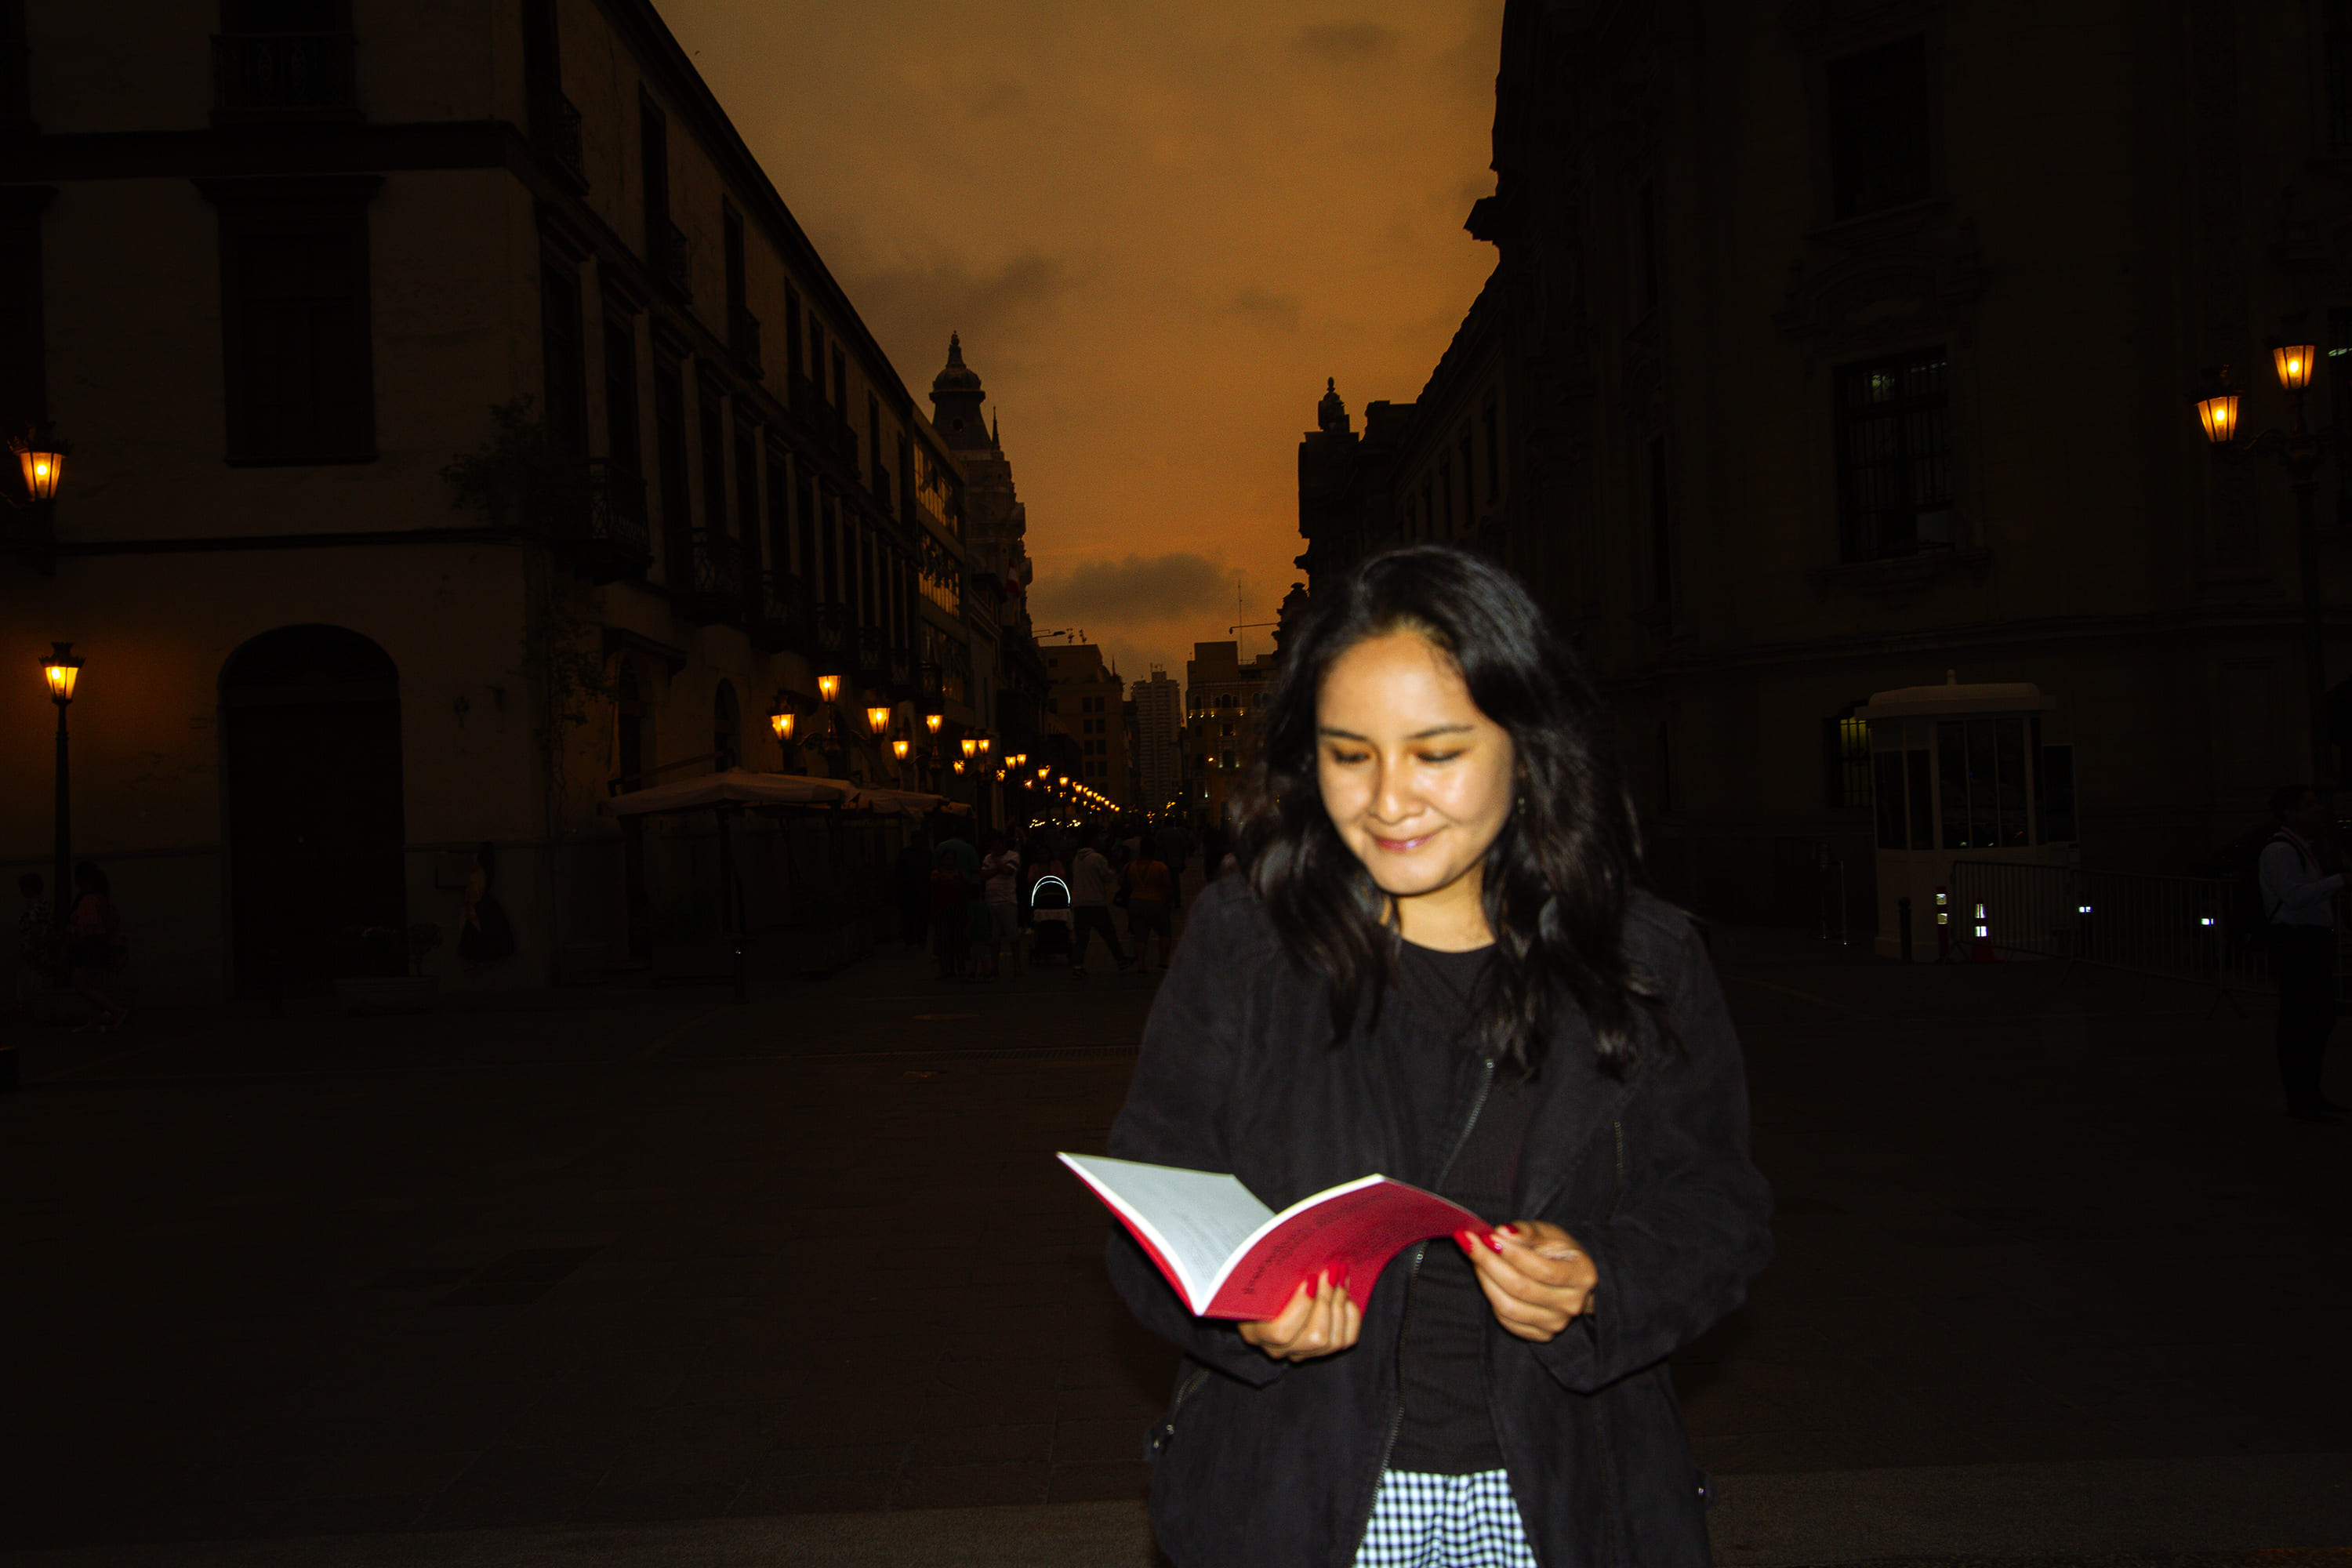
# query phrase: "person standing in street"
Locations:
[[1150, 894], [999, 872], [2299, 901], [94, 944], [1440, 963], [1092, 882]]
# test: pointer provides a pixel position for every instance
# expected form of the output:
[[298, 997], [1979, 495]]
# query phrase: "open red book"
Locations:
[[1229, 1256]]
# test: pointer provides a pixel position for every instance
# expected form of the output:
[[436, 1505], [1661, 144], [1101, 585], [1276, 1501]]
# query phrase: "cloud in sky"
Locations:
[[1344, 43], [1158, 229]]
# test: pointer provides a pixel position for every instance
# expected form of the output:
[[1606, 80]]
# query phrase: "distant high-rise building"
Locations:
[[1160, 741], [1085, 701], [1222, 696]]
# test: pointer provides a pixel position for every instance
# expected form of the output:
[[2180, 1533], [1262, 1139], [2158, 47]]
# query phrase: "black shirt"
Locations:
[[1447, 1428]]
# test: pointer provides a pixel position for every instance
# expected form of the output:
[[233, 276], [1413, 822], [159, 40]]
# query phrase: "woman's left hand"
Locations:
[[1537, 1277]]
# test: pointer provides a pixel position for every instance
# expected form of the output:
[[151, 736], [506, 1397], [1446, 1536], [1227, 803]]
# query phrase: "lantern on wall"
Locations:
[[877, 719], [2293, 362], [61, 670], [43, 460], [828, 687]]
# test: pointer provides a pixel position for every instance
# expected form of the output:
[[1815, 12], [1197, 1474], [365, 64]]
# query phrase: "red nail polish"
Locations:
[[1495, 1241]]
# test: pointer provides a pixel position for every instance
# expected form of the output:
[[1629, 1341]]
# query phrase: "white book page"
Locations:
[[1198, 1219]]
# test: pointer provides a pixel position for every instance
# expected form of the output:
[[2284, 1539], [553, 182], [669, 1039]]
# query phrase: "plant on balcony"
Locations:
[[523, 474]]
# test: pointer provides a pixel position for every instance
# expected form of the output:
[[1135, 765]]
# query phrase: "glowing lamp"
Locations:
[[1044, 769], [2219, 415], [899, 749], [932, 722], [959, 764], [971, 746], [983, 745], [783, 722], [877, 719], [2293, 362], [44, 462], [62, 668], [828, 687]]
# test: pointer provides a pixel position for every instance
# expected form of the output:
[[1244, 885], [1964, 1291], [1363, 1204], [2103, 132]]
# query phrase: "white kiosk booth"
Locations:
[[1961, 773]]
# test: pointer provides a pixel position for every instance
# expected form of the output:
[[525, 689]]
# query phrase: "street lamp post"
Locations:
[[62, 668], [2299, 449]]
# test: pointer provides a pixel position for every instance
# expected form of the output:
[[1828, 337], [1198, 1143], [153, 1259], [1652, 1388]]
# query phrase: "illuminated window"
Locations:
[[1845, 756]]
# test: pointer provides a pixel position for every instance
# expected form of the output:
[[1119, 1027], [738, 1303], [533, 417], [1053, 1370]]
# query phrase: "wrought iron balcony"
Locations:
[[602, 534], [833, 631], [743, 341], [555, 132], [873, 652], [283, 76], [779, 612], [715, 593]]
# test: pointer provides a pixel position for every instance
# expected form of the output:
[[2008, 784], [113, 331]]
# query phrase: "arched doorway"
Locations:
[[311, 775]]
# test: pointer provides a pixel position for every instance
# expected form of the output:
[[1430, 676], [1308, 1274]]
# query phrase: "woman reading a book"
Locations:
[[1440, 967]]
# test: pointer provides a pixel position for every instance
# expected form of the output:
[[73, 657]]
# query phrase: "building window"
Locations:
[[669, 452], [295, 319], [1981, 783], [1894, 455], [747, 493], [283, 59], [1878, 128], [780, 517], [622, 443], [563, 358], [1845, 756], [713, 420], [841, 379]]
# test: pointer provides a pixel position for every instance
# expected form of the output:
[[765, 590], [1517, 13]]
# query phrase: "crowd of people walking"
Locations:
[[1014, 900]]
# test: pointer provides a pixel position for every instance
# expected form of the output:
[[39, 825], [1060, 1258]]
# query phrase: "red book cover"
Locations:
[[1229, 1256]]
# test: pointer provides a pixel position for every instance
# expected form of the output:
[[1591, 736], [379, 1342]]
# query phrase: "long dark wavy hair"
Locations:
[[1557, 877]]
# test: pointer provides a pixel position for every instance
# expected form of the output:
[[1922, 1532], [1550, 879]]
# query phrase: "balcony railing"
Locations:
[[834, 636], [555, 132], [715, 591], [743, 341], [779, 614], [873, 652], [283, 76], [602, 534]]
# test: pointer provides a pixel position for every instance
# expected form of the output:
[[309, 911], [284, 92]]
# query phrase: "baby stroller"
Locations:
[[1049, 918]]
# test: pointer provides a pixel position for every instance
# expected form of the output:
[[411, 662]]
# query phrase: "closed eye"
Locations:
[[1348, 758]]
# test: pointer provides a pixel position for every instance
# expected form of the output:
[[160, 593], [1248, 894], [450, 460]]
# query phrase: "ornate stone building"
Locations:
[[1833, 346], [464, 429]]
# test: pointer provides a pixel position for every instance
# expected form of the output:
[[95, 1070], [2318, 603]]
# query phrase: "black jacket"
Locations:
[[1260, 1462]]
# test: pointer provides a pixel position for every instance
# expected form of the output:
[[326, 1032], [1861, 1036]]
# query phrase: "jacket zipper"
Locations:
[[1165, 1433], [1412, 1272]]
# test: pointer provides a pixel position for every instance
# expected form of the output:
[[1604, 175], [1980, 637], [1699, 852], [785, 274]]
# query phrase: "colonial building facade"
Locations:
[[1223, 696], [1834, 348], [464, 429]]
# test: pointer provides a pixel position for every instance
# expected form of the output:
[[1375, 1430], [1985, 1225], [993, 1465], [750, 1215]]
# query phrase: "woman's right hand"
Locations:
[[1317, 1323]]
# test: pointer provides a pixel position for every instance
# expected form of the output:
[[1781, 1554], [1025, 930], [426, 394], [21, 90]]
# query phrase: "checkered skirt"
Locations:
[[1445, 1522]]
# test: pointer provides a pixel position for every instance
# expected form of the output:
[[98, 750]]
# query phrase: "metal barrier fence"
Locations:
[[2180, 927]]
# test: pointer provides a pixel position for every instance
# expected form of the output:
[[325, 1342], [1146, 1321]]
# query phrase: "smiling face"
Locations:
[[1417, 781]]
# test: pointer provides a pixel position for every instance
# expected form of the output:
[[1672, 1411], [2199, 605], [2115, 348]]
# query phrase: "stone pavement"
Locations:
[[624, 1276]]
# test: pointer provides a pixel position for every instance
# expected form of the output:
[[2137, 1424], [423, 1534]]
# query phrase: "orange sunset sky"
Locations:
[[1157, 226]]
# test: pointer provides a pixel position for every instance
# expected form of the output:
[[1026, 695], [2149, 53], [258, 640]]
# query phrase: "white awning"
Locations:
[[736, 787]]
